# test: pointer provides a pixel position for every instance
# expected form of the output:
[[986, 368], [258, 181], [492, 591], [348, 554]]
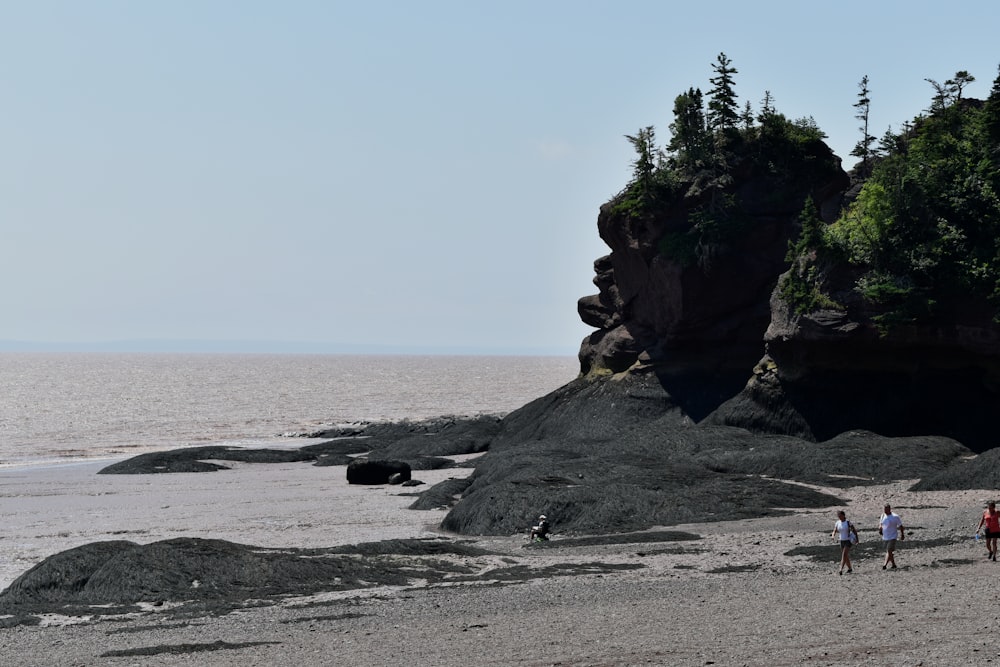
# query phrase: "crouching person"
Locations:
[[540, 532]]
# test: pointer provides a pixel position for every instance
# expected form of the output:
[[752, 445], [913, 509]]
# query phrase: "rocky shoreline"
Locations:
[[762, 591]]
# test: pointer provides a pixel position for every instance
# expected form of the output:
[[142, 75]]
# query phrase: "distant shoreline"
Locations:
[[272, 347]]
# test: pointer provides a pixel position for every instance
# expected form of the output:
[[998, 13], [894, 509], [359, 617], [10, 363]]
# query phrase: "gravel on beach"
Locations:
[[751, 592]]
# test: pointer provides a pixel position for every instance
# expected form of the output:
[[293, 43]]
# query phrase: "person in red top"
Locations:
[[991, 519]]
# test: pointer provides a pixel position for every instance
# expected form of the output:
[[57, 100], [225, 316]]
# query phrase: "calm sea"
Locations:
[[68, 406]]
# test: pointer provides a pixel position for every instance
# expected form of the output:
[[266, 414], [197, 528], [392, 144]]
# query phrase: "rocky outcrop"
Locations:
[[698, 318], [214, 575], [715, 328], [828, 371], [372, 471]]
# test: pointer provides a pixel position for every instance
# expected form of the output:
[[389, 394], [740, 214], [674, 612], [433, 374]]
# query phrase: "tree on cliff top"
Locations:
[[689, 140], [923, 234], [863, 149], [723, 111], [647, 160], [696, 175]]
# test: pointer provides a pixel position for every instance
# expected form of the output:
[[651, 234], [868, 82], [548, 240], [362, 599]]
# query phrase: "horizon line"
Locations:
[[201, 346]]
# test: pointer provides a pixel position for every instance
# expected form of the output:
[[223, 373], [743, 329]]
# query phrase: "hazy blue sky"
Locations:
[[386, 173]]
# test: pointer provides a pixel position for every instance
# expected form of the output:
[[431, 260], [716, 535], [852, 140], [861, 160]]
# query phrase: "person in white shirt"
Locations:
[[890, 527], [842, 530]]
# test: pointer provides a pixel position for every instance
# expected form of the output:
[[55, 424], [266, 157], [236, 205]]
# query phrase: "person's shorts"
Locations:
[[845, 544], [992, 534], [890, 545]]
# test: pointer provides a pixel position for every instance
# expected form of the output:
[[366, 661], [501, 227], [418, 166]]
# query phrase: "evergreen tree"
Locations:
[[890, 143], [958, 82], [689, 136], [747, 117], [991, 113], [766, 107], [645, 163], [941, 96], [723, 111], [863, 149]]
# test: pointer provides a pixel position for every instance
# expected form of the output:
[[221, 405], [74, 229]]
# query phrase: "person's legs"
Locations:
[[847, 557], [844, 560], [890, 547]]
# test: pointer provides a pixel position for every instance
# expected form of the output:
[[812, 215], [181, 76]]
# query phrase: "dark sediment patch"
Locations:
[[135, 629], [731, 569], [951, 562], [620, 538], [323, 618], [669, 551], [522, 573], [181, 649]]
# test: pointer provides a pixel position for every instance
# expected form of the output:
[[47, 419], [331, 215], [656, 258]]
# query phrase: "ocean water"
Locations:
[[58, 407]]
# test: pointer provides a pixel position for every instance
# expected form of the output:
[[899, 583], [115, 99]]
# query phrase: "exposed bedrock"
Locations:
[[723, 344], [617, 455], [658, 303], [832, 370]]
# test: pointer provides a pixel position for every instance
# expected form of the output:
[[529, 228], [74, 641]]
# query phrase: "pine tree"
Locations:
[[941, 96], [723, 111], [766, 107], [747, 118], [689, 136], [957, 83], [645, 163], [991, 113], [863, 149]]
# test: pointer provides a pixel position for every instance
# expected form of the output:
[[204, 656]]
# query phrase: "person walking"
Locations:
[[843, 530], [890, 527], [991, 519]]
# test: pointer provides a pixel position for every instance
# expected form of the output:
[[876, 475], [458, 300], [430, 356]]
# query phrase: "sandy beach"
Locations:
[[758, 592]]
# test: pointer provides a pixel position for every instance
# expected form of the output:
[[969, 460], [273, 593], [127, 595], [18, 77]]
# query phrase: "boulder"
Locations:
[[370, 471]]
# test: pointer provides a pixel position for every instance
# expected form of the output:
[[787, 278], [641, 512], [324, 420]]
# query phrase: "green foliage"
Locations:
[[802, 286], [690, 140], [922, 236], [858, 233], [695, 174], [924, 232], [802, 291]]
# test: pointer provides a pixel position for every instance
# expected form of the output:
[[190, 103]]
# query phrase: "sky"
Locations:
[[385, 175]]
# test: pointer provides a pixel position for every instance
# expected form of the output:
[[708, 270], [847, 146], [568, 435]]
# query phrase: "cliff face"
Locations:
[[697, 319], [829, 371], [725, 344]]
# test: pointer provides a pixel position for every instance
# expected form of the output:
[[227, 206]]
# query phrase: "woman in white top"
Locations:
[[842, 530]]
